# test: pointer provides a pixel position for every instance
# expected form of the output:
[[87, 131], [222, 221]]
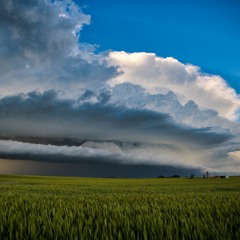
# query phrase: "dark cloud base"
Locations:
[[46, 119], [107, 170], [46, 141], [46, 115]]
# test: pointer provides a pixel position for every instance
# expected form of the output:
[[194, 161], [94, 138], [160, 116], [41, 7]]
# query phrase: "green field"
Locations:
[[87, 208]]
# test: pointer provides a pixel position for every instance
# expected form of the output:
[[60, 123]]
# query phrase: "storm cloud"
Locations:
[[35, 126], [44, 114], [63, 103], [40, 48]]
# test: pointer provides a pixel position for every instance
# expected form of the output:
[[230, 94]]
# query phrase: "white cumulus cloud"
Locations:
[[155, 73]]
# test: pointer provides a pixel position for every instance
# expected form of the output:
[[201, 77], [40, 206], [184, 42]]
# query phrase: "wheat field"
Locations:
[[33, 207]]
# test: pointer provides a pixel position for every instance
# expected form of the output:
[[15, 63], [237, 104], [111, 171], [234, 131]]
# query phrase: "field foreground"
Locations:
[[87, 208]]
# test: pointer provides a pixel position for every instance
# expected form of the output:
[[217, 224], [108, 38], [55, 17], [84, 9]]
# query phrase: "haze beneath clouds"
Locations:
[[63, 103]]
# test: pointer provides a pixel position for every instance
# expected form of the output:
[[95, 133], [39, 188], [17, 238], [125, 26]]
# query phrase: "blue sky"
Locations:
[[204, 33]]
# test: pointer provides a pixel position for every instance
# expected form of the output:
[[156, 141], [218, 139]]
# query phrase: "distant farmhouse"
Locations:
[[206, 175], [222, 176]]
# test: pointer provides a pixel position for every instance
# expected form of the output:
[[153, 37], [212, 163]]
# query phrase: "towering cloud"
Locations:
[[155, 73], [40, 48], [63, 103]]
